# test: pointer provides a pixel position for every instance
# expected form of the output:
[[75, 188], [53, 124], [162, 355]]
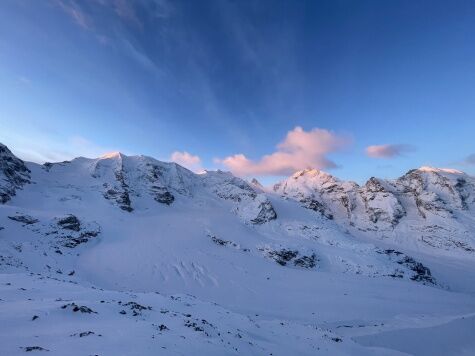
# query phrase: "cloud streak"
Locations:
[[300, 149], [72, 9], [388, 150]]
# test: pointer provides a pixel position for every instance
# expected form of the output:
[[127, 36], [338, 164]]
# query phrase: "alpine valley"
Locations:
[[128, 255]]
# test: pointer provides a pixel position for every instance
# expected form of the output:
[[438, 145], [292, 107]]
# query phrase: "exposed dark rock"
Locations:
[[33, 348], [75, 241], [282, 256], [463, 246], [266, 213], [76, 308], [391, 251], [47, 166], [13, 174], [421, 273], [120, 191], [257, 184], [86, 333], [25, 219], [121, 197], [157, 190], [306, 261], [193, 325], [162, 195], [136, 308], [315, 205], [80, 233], [70, 222], [461, 187], [373, 185], [221, 242]]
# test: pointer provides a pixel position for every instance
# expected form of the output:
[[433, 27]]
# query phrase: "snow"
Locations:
[[451, 338], [440, 170], [229, 267]]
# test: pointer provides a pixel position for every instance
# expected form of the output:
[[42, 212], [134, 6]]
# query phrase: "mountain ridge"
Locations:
[[437, 198]]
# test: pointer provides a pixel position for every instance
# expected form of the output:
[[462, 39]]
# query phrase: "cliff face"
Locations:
[[13, 174]]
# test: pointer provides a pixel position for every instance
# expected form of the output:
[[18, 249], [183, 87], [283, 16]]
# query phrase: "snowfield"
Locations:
[[127, 255]]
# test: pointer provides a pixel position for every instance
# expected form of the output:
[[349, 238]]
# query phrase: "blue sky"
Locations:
[[259, 87]]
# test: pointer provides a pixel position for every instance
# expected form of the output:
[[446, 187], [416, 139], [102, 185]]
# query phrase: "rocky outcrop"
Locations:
[[285, 256], [157, 190], [70, 232], [70, 222], [13, 174], [24, 219], [110, 168], [258, 187], [251, 205], [265, 211], [381, 205], [408, 265]]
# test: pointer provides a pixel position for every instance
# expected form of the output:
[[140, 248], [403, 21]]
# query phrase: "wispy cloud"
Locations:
[[299, 150], [24, 80], [72, 9], [125, 10], [187, 160], [128, 10], [388, 150]]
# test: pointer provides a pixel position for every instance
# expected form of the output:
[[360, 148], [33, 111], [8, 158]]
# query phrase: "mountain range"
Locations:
[[130, 255]]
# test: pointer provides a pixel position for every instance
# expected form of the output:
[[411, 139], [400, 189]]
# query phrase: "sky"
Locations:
[[261, 88]]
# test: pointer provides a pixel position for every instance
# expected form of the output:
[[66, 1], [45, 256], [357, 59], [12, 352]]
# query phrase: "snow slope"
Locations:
[[129, 255]]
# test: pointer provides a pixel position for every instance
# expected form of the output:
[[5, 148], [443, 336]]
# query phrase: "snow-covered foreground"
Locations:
[[131, 256]]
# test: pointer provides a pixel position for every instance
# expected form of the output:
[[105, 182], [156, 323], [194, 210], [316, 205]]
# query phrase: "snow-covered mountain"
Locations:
[[428, 208], [130, 255]]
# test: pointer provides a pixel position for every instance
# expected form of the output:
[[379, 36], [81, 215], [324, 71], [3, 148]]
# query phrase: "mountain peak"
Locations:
[[439, 170], [307, 171], [114, 154], [313, 173], [256, 184]]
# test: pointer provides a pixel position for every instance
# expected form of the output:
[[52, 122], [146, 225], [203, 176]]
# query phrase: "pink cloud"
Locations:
[[299, 150], [388, 151], [187, 160]]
